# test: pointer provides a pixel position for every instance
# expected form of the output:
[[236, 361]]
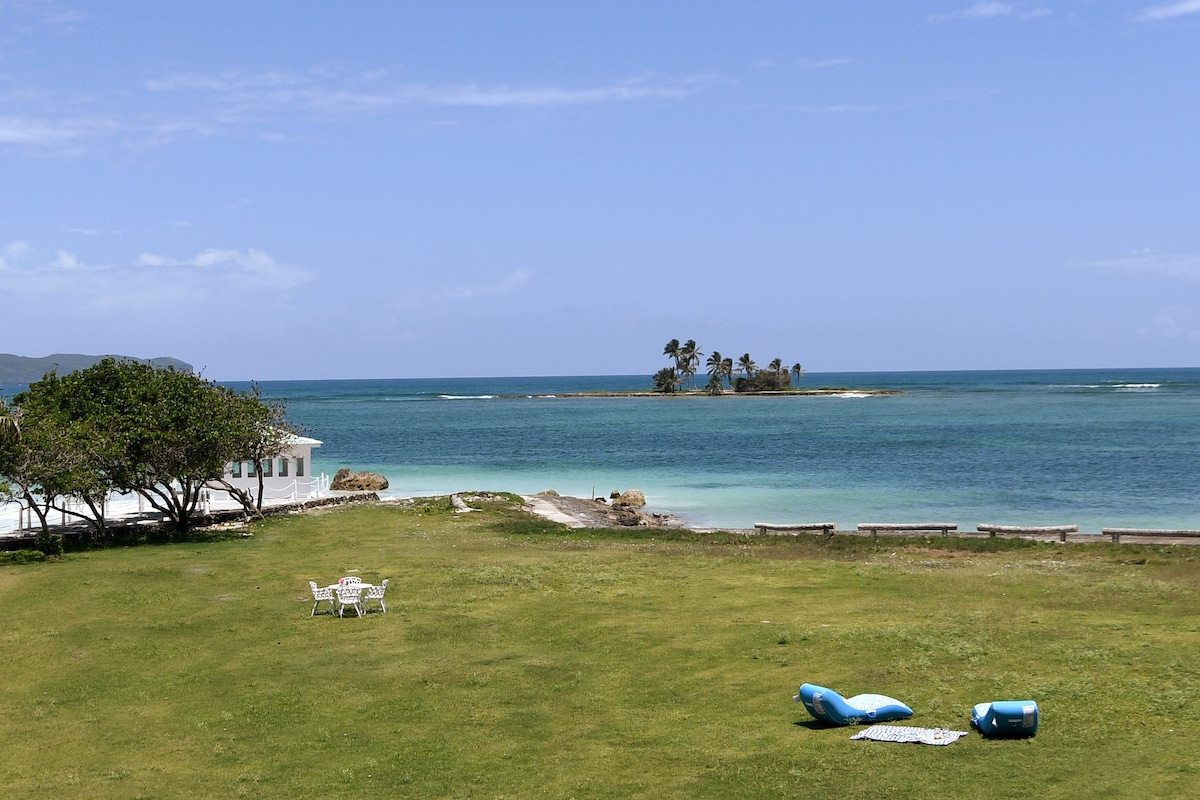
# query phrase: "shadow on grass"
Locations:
[[818, 725]]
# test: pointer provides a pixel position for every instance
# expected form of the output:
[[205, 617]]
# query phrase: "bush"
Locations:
[[21, 556], [763, 381]]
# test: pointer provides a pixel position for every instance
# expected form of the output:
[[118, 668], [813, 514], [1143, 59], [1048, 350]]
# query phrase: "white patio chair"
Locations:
[[349, 580], [320, 595], [375, 593], [351, 596]]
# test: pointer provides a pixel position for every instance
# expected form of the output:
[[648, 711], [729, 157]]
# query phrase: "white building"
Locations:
[[287, 477]]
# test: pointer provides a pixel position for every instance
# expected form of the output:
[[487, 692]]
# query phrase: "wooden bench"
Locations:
[[1030, 530], [902, 527], [771, 529], [1117, 533]]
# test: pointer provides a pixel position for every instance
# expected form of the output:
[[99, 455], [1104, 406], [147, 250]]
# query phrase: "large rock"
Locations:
[[632, 498], [347, 480]]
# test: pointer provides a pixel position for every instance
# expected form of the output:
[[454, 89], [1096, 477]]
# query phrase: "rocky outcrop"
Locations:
[[631, 499], [594, 513], [347, 480]]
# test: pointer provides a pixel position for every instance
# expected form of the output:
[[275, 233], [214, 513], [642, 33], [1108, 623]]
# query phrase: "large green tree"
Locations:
[[164, 434]]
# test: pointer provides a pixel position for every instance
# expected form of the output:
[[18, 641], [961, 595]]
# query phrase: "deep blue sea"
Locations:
[[1097, 448]]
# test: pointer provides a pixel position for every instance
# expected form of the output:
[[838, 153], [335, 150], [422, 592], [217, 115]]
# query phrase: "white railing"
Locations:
[[17, 517]]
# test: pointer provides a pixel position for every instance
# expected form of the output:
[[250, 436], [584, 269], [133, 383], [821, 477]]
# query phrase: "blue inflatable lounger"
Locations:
[[829, 706], [1006, 718]]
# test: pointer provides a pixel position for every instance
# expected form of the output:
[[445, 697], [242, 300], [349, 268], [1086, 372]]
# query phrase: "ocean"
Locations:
[[1096, 448]]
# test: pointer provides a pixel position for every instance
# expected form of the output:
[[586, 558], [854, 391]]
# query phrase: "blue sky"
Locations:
[[302, 189]]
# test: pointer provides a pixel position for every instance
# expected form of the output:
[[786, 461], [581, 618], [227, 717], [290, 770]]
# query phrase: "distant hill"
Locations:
[[24, 370]]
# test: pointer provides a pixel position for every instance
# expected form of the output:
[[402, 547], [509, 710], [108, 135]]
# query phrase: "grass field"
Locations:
[[522, 660]]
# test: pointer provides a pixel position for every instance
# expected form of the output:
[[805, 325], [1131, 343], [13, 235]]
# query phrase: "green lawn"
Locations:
[[520, 660]]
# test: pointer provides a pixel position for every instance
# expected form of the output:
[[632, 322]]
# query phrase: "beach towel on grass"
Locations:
[[905, 734]]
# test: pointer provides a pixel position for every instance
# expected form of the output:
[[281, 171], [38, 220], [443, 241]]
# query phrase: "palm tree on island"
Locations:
[[746, 366], [797, 372], [689, 360], [671, 351], [666, 380], [685, 360], [715, 366]]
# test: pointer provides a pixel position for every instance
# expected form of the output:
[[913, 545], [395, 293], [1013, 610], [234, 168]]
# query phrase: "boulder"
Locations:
[[632, 498], [347, 480]]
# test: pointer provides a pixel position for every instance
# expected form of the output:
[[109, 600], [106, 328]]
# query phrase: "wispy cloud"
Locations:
[[506, 284], [254, 264], [981, 10], [834, 109], [268, 91], [1170, 11], [823, 63], [186, 106], [28, 16], [1152, 262], [32, 276], [991, 10]]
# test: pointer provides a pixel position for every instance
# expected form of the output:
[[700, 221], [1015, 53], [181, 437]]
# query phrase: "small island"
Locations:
[[743, 377]]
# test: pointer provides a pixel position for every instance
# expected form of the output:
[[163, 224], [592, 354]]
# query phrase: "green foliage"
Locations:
[[129, 427], [21, 556], [686, 360], [666, 380], [763, 381]]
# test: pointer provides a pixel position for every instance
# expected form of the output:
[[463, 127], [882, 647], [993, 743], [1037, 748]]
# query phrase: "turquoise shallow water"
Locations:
[[1095, 448]]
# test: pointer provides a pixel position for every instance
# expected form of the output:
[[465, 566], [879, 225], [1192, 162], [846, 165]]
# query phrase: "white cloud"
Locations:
[[1165, 326], [82, 231], [30, 277], [254, 264], [1170, 11], [18, 250], [507, 284], [268, 91], [32, 14], [194, 106], [1151, 262], [65, 260], [981, 10], [833, 109], [224, 82], [823, 63]]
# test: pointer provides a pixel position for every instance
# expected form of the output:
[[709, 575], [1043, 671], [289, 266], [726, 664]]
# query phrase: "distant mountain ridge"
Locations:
[[25, 370]]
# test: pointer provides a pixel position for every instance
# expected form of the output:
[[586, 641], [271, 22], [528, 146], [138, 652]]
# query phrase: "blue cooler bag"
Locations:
[[1006, 718]]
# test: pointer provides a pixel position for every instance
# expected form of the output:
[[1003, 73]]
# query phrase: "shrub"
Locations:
[[21, 556]]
